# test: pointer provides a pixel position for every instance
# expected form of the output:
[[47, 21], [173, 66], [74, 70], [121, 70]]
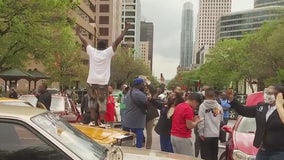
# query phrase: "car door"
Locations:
[[19, 141]]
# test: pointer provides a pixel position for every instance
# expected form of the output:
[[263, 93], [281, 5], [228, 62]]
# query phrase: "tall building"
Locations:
[[144, 48], [186, 47], [264, 3], [209, 12], [131, 12], [236, 24], [108, 19], [85, 18], [147, 34]]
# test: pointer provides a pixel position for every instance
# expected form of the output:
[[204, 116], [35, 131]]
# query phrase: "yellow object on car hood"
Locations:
[[102, 135]]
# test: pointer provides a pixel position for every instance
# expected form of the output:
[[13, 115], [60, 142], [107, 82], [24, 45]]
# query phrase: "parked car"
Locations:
[[60, 105], [32, 133], [240, 142]]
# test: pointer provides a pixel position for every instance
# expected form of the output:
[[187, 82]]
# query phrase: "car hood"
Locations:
[[244, 143], [131, 153]]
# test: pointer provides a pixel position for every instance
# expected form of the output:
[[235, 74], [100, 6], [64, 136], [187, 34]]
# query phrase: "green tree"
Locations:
[[125, 67], [34, 29], [257, 56]]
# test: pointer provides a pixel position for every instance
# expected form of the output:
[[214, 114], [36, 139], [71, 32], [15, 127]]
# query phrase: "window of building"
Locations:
[[130, 33], [129, 39], [104, 40], [104, 31], [104, 8], [104, 20]]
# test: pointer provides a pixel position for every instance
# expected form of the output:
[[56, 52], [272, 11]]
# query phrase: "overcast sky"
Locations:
[[166, 16]]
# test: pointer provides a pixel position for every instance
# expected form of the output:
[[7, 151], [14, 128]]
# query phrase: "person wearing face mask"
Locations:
[[269, 127]]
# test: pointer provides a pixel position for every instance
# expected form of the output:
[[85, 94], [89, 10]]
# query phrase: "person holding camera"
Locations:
[[269, 124]]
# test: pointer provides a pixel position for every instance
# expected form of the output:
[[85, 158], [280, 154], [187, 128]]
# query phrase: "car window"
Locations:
[[72, 138], [17, 142], [247, 125]]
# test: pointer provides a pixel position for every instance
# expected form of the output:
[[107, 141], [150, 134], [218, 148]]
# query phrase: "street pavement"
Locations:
[[156, 140]]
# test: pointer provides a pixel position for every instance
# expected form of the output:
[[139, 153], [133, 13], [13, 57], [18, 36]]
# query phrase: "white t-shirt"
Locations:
[[99, 65]]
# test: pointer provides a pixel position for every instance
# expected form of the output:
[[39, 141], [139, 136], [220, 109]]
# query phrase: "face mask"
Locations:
[[269, 99]]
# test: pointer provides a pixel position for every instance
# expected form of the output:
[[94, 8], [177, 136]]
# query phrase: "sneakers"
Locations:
[[93, 123]]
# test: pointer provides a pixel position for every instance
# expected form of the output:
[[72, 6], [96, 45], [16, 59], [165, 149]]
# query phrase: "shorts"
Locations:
[[97, 97]]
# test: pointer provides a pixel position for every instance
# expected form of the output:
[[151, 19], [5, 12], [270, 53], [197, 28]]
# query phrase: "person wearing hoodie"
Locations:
[[209, 129]]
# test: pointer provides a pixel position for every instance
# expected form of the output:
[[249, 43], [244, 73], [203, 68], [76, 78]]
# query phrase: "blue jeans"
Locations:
[[139, 136], [269, 155], [166, 145]]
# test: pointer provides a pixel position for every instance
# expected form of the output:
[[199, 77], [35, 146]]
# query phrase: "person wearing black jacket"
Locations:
[[269, 127], [44, 96], [164, 125]]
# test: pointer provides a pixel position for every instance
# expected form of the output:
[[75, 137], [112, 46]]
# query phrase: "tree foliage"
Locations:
[[257, 56], [34, 29], [125, 67]]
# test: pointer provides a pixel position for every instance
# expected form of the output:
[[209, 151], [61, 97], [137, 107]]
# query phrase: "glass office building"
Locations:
[[235, 25], [264, 3], [186, 47]]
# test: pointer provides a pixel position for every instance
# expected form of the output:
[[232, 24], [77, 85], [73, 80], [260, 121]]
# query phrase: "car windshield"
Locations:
[[73, 139], [247, 125]]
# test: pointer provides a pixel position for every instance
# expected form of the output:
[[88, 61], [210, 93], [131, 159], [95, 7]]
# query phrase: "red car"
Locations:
[[240, 143]]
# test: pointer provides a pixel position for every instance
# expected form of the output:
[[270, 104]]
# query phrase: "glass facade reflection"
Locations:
[[237, 24], [264, 3]]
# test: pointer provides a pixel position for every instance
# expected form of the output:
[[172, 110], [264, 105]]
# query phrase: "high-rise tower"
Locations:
[[131, 12], [209, 12], [186, 47]]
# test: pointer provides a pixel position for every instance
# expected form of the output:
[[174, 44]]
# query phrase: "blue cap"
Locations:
[[138, 81]]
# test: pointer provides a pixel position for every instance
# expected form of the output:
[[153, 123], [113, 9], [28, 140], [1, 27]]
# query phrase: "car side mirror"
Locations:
[[227, 129]]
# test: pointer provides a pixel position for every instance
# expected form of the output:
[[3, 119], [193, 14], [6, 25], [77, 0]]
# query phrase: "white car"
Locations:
[[36, 134]]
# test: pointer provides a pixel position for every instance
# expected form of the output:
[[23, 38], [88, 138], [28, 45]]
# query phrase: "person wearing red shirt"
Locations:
[[110, 108], [183, 121]]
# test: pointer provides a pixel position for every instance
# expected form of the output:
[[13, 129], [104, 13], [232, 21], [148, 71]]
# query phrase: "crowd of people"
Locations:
[[205, 112]]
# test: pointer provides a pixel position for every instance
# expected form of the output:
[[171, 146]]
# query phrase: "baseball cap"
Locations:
[[138, 81]]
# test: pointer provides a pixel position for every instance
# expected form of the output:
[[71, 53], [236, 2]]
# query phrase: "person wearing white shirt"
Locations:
[[99, 73]]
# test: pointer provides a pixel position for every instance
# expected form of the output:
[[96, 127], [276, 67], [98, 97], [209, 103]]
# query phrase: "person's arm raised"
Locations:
[[279, 106], [246, 111], [83, 40], [120, 38]]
